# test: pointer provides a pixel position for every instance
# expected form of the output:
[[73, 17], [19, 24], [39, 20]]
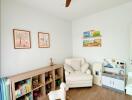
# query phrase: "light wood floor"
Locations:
[[96, 93]]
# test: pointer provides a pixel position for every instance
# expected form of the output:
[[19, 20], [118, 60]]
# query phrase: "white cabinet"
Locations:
[[97, 73], [106, 81], [113, 83], [119, 84]]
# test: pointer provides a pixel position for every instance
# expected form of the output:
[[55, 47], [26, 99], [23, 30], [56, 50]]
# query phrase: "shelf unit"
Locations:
[[36, 84], [114, 75], [114, 82]]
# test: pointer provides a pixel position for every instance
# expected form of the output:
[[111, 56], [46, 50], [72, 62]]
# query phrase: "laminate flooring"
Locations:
[[96, 93]]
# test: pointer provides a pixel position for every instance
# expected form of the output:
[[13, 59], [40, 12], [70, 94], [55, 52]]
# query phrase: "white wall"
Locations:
[[113, 24], [19, 16], [130, 51]]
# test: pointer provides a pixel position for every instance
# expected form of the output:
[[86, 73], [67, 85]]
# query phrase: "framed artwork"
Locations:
[[43, 40], [22, 39], [92, 38]]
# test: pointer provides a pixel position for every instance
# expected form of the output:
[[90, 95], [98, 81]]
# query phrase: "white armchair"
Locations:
[[77, 73]]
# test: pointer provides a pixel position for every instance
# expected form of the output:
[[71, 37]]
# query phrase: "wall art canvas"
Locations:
[[22, 39], [43, 40], [92, 38]]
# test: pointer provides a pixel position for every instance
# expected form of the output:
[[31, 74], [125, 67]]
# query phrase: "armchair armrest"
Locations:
[[67, 73], [88, 72]]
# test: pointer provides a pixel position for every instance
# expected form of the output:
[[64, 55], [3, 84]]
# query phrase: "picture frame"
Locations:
[[22, 39], [92, 38], [43, 40]]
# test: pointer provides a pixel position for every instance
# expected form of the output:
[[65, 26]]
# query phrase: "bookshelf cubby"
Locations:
[[38, 93], [25, 97], [36, 84], [58, 77], [37, 81]]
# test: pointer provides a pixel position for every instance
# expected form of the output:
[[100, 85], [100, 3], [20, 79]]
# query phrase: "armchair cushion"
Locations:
[[68, 68], [88, 72], [78, 76], [76, 64], [84, 67]]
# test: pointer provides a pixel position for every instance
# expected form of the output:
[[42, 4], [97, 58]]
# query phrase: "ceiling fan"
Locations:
[[67, 3]]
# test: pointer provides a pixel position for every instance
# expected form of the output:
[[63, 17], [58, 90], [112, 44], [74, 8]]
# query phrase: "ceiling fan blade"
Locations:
[[68, 3]]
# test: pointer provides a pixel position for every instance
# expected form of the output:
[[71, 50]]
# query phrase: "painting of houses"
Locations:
[[92, 38]]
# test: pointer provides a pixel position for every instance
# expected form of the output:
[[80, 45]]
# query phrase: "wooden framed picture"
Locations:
[[22, 39], [43, 40], [92, 38]]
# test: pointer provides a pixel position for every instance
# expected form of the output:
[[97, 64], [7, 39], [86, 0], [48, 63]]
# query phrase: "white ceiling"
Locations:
[[77, 9]]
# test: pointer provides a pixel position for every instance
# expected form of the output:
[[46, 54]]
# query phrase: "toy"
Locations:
[[50, 77], [58, 82], [59, 94], [51, 62], [35, 82], [36, 94], [48, 88]]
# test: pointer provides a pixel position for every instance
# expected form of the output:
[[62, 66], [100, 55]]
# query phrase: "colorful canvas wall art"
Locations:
[[92, 38]]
